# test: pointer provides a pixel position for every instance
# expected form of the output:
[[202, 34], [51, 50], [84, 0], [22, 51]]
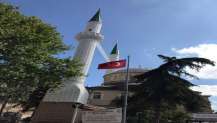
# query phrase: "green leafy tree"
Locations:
[[163, 88], [177, 115], [28, 57]]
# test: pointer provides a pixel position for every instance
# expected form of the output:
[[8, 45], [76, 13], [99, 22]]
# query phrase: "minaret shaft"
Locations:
[[84, 54], [73, 90]]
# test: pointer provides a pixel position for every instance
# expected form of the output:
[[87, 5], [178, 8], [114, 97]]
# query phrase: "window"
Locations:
[[97, 95]]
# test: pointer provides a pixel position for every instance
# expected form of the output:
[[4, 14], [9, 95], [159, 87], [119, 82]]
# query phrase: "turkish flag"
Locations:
[[112, 64]]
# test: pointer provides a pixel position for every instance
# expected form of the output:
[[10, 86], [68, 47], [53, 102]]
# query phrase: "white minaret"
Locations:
[[74, 90], [114, 56]]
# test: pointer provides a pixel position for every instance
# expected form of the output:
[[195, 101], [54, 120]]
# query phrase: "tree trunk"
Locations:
[[157, 114], [3, 106]]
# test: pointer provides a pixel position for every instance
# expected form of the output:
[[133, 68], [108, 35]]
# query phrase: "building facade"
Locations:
[[113, 87]]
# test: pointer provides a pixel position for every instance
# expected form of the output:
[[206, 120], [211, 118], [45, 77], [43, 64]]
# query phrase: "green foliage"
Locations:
[[163, 88], [177, 66], [28, 48], [177, 115]]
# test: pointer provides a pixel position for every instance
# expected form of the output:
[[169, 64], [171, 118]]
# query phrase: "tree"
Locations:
[[29, 50], [163, 88], [177, 115]]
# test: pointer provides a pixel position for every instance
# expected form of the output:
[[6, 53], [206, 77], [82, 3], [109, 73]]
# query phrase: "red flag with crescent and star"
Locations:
[[112, 64]]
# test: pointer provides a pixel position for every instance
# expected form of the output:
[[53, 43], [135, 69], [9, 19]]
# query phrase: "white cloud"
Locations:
[[206, 89], [210, 90], [205, 51], [213, 103]]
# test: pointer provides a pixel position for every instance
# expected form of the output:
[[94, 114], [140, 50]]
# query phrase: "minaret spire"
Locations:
[[115, 50], [114, 55], [96, 17]]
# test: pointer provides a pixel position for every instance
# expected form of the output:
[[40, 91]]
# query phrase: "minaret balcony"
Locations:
[[89, 35]]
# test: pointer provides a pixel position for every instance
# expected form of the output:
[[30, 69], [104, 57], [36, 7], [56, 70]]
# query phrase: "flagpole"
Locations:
[[124, 115], [75, 112]]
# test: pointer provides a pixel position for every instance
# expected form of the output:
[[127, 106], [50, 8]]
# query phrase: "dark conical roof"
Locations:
[[96, 17], [115, 49]]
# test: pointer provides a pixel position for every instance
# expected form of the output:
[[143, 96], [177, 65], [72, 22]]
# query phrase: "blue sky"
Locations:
[[143, 29]]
